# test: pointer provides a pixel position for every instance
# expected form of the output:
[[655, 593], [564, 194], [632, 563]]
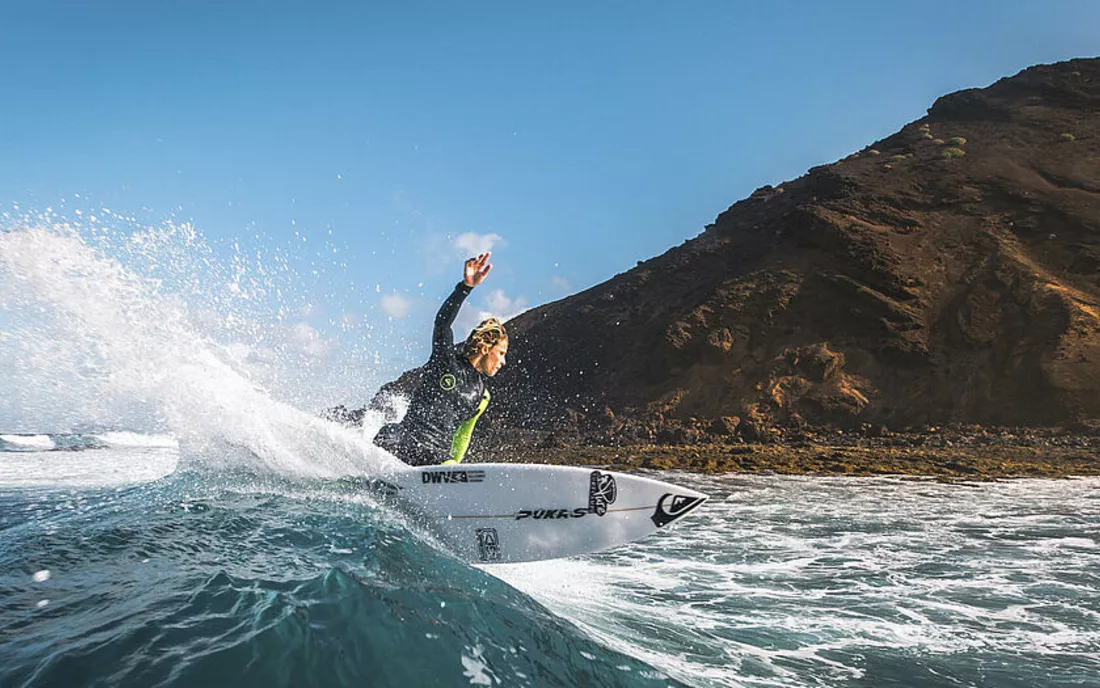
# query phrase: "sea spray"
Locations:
[[96, 343]]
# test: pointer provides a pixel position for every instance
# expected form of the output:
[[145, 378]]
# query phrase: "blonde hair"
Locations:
[[485, 336]]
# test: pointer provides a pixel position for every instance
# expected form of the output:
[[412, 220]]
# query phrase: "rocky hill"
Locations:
[[949, 273]]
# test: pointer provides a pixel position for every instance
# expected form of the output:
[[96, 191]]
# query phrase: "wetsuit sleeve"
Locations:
[[442, 338], [460, 441]]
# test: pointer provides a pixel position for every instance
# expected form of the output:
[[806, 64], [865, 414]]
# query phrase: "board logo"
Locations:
[[438, 477], [488, 544], [448, 382], [671, 507], [601, 492], [549, 514]]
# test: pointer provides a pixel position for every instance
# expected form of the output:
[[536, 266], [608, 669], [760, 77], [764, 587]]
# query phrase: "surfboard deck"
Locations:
[[499, 513]]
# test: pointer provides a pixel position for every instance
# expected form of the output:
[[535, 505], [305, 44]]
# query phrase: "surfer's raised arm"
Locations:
[[474, 273]]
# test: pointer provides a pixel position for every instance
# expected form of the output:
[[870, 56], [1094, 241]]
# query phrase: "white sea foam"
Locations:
[[779, 579], [101, 468], [475, 669], [35, 442], [133, 439]]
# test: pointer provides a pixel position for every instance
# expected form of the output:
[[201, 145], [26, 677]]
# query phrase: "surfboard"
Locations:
[[498, 513]]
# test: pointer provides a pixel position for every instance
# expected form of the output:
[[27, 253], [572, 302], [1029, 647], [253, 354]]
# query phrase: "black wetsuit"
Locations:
[[448, 401]]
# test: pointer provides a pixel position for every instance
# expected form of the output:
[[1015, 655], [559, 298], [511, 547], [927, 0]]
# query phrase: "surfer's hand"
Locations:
[[476, 270]]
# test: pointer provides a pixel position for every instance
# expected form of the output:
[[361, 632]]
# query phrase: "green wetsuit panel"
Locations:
[[460, 441]]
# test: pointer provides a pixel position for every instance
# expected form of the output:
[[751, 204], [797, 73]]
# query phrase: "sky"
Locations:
[[378, 143]]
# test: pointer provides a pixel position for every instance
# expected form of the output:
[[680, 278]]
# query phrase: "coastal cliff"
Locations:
[[949, 273]]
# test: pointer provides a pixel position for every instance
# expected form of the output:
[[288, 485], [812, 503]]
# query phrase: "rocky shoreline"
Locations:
[[952, 452], [934, 453]]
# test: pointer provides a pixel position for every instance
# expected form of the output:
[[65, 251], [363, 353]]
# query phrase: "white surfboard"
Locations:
[[498, 512]]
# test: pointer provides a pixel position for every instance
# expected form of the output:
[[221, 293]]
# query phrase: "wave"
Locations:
[[80, 442], [133, 439], [26, 443], [210, 586], [104, 467]]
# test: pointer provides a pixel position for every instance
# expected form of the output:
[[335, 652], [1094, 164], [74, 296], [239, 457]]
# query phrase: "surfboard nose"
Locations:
[[674, 505]]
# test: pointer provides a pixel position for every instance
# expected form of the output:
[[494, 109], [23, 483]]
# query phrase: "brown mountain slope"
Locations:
[[948, 273]]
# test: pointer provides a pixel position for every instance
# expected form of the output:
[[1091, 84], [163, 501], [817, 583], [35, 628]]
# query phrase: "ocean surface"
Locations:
[[169, 516], [121, 564]]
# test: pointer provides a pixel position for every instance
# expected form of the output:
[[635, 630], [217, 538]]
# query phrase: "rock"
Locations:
[[726, 426]]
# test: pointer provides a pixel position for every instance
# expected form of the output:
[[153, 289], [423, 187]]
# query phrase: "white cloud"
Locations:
[[396, 305], [503, 307], [444, 253], [472, 244], [496, 304]]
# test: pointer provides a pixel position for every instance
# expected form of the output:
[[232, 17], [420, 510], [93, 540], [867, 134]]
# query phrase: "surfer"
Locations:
[[452, 394]]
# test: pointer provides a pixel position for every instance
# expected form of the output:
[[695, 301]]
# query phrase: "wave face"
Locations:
[[180, 583]]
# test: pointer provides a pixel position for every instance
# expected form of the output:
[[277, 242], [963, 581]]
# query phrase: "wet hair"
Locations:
[[485, 336]]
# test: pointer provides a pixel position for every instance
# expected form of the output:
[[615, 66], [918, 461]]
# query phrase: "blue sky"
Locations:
[[378, 142]]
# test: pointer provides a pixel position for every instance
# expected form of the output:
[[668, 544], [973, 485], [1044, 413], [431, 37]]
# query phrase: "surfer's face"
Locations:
[[493, 358]]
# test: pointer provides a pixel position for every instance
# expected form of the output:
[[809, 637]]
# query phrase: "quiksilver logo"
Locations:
[[671, 507], [437, 477]]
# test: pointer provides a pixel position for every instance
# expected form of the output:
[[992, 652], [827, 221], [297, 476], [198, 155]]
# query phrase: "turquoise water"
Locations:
[[201, 577], [210, 581]]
